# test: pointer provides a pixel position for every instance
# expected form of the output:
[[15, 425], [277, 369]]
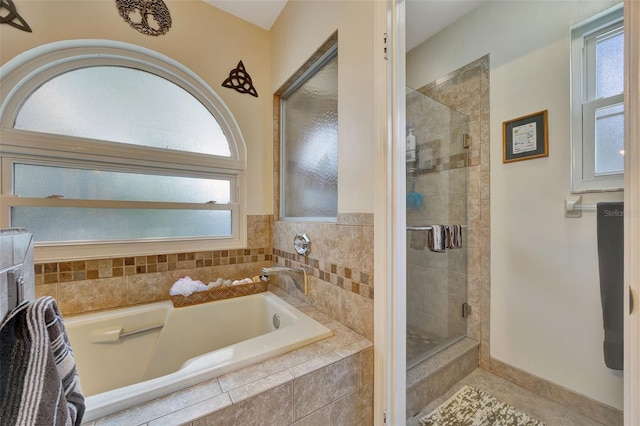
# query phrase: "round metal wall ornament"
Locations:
[[150, 17]]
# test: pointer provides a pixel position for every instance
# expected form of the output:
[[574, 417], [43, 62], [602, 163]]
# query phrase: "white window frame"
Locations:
[[584, 106], [29, 70]]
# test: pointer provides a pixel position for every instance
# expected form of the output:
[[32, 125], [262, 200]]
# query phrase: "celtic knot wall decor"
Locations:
[[240, 80], [150, 17], [12, 17]]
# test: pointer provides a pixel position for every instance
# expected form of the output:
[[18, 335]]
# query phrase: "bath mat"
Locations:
[[472, 407]]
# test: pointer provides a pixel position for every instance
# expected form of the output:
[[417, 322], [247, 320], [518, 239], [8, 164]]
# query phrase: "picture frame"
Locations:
[[525, 138]]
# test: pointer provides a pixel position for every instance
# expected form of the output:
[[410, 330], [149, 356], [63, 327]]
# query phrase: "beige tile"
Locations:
[[273, 408], [206, 394], [261, 370], [355, 409], [596, 410], [323, 386], [519, 377], [321, 417], [146, 288], [483, 380], [259, 386], [576, 419], [92, 295], [315, 364], [366, 367], [354, 348], [192, 412], [550, 413]]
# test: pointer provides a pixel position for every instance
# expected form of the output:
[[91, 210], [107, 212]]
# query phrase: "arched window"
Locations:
[[111, 149]]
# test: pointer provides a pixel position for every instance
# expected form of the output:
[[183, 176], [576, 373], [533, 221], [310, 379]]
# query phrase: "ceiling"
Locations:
[[424, 17]]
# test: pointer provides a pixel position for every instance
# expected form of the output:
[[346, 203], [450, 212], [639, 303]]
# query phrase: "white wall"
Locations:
[[300, 30], [546, 315]]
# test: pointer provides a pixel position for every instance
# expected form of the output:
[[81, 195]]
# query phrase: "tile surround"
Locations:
[[97, 284]]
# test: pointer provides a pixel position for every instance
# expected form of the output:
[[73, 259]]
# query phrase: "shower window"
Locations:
[[103, 150], [309, 143]]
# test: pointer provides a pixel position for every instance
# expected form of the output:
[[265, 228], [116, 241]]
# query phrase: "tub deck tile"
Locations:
[[251, 373], [314, 364], [163, 406], [354, 348], [191, 412], [260, 386]]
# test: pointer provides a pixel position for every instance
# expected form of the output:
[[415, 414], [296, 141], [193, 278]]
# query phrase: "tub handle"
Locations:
[[106, 335], [141, 330]]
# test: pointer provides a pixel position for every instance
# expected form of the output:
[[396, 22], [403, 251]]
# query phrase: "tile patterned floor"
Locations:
[[549, 412]]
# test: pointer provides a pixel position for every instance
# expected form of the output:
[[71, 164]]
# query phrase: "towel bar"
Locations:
[[573, 206], [425, 228]]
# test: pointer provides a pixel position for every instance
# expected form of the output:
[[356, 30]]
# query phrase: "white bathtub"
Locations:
[[195, 344]]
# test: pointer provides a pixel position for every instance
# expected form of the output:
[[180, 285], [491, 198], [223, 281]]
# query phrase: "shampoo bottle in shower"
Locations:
[[411, 146]]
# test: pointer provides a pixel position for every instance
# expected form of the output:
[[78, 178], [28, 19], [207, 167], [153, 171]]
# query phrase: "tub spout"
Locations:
[[299, 275]]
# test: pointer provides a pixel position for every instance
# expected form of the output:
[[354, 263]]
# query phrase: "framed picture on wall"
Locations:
[[525, 138]]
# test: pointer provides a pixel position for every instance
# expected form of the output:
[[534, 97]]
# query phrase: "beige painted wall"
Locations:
[[299, 31], [206, 40], [545, 302]]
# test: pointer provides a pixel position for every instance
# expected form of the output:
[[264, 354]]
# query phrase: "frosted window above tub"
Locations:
[[110, 149], [309, 143], [125, 105]]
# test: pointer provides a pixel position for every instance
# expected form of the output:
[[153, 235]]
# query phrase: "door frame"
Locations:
[[632, 212]]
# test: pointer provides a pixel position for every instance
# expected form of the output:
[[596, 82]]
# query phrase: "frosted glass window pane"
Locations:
[[610, 65], [310, 147], [79, 224], [41, 181], [125, 105], [610, 139]]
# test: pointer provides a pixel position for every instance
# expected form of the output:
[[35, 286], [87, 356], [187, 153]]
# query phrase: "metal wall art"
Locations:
[[13, 18], [240, 80], [150, 17]]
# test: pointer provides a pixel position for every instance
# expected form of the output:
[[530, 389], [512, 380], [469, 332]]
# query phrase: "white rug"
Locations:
[[472, 407]]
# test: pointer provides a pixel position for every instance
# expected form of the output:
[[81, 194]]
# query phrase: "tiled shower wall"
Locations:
[[467, 90]]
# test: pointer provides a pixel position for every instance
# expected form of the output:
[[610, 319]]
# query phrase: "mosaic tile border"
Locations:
[[346, 278], [62, 272]]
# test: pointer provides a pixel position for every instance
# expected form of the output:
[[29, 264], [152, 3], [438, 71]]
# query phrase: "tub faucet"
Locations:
[[299, 275]]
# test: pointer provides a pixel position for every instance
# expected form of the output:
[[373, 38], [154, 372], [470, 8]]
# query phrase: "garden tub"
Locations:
[[132, 355]]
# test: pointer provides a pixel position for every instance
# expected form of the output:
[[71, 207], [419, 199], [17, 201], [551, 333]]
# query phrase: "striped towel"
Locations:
[[436, 238], [39, 384], [453, 235]]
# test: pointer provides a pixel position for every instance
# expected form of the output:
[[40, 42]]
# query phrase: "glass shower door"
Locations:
[[436, 195]]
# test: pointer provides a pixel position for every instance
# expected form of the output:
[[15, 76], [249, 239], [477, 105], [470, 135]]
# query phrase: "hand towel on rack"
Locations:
[[39, 384], [610, 230], [454, 236], [436, 239]]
